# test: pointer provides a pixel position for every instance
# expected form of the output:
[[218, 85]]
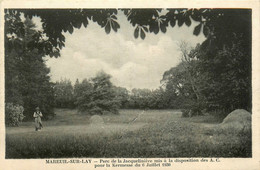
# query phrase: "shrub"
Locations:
[[13, 114]]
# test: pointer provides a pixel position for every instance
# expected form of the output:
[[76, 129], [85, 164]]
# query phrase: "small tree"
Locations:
[[97, 96]]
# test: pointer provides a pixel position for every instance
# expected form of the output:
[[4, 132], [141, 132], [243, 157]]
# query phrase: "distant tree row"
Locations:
[[64, 94], [152, 99], [98, 95]]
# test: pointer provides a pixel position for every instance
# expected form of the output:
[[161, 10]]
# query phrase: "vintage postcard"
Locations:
[[129, 85]]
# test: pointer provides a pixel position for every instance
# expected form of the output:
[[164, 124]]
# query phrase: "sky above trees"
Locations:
[[132, 63]]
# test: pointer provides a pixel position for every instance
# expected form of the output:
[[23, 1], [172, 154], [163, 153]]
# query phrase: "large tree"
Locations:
[[219, 83], [228, 76], [27, 82]]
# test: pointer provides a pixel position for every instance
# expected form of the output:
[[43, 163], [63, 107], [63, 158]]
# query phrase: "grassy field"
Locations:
[[132, 133]]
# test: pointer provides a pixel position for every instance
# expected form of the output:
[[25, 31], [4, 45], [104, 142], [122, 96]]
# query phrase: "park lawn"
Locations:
[[132, 133]]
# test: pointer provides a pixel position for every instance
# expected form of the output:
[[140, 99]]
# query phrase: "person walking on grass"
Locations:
[[38, 122]]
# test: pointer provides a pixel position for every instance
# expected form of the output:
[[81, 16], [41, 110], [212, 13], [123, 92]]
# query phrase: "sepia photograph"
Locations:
[[128, 83]]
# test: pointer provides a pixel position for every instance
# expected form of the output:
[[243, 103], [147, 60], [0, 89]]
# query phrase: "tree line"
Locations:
[[197, 84], [98, 93]]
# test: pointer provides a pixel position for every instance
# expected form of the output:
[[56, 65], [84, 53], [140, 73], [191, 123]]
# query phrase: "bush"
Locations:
[[13, 114]]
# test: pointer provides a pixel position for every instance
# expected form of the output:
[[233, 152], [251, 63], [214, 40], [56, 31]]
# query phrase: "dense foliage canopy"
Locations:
[[216, 24], [27, 82], [63, 94], [97, 95]]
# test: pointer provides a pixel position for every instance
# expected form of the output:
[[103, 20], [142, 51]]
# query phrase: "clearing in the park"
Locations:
[[132, 133]]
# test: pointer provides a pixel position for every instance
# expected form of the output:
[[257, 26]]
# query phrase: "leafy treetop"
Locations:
[[215, 24]]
